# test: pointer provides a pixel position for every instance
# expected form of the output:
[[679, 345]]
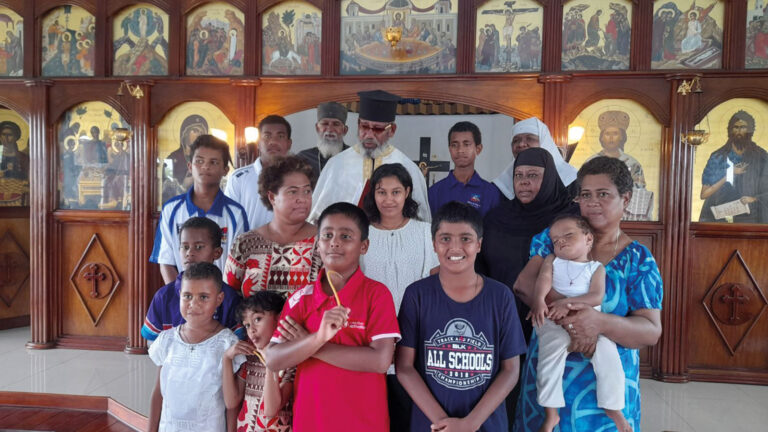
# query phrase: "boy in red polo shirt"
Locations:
[[341, 363]]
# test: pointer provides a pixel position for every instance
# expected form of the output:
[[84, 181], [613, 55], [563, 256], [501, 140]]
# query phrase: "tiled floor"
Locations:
[[700, 407]]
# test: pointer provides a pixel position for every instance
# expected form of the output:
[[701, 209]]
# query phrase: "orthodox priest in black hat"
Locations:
[[346, 176], [331, 127]]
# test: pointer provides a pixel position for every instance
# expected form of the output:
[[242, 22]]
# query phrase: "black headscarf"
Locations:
[[553, 198], [509, 228]]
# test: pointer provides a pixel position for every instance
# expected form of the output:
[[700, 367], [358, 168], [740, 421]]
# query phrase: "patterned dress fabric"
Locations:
[[251, 417], [632, 282], [257, 264]]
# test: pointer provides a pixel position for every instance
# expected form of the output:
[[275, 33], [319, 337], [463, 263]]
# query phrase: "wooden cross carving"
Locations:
[[426, 165], [94, 276], [735, 298], [6, 269]]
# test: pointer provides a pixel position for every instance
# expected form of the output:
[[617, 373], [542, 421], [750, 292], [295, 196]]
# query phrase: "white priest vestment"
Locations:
[[345, 175]]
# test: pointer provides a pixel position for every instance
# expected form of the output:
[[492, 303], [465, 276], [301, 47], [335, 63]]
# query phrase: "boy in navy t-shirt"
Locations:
[[461, 336]]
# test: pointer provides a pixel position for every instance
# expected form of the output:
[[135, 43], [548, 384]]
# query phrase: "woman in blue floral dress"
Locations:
[[631, 309]]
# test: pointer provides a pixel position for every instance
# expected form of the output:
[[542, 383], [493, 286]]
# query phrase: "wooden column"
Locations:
[[465, 43], [642, 35], [252, 39], [42, 179], [142, 206], [734, 35], [330, 49], [30, 37], [552, 41], [677, 216], [554, 104]]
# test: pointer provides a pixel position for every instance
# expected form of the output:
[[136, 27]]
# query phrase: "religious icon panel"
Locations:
[[140, 41], [215, 40], [687, 34], [757, 34], [94, 148], [600, 43], [14, 165], [398, 36], [509, 36], [68, 38], [175, 136], [291, 39], [624, 129], [730, 171], [11, 43]]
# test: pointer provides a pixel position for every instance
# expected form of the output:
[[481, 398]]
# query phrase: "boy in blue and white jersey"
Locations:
[[209, 164]]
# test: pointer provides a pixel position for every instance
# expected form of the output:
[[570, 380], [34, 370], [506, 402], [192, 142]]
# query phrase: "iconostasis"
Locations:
[[101, 100]]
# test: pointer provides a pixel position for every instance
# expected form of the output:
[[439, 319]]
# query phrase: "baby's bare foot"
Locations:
[[552, 420], [621, 422]]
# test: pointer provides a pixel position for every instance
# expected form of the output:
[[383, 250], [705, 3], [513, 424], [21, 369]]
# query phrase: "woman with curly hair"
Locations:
[[280, 255]]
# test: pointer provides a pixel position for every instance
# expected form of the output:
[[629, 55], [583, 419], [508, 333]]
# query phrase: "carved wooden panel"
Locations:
[[727, 328], [734, 307], [92, 265], [14, 271], [14, 268], [649, 239], [94, 279]]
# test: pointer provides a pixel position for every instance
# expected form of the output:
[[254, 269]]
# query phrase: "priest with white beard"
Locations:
[[347, 175], [331, 127]]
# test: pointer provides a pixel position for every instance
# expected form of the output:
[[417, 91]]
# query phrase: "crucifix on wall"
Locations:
[[426, 165]]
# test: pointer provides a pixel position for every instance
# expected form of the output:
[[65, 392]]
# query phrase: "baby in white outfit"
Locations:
[[573, 276]]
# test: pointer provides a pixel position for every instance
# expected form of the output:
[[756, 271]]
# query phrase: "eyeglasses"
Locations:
[[363, 127], [601, 196]]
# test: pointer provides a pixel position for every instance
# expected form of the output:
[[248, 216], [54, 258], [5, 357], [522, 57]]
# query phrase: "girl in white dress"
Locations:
[[399, 254], [401, 249], [188, 392]]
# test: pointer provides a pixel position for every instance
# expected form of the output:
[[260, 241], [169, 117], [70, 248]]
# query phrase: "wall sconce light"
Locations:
[[575, 134], [218, 133], [133, 90], [687, 87], [251, 134], [248, 153]]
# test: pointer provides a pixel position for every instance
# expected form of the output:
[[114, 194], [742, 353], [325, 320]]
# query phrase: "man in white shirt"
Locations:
[[346, 176], [243, 184]]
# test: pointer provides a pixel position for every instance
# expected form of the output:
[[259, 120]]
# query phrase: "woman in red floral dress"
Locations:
[[280, 255]]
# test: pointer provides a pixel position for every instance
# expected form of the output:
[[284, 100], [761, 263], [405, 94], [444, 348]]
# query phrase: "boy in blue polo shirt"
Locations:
[[463, 184], [209, 164], [200, 241]]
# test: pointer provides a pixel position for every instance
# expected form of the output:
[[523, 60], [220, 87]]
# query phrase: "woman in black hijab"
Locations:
[[508, 229], [539, 197]]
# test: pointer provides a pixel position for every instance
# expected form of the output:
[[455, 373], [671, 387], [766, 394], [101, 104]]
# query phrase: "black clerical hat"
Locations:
[[378, 106]]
